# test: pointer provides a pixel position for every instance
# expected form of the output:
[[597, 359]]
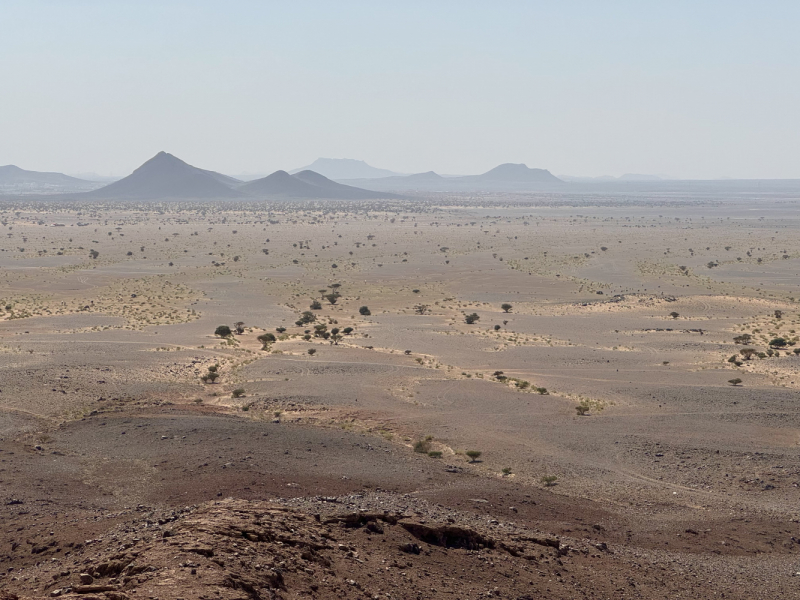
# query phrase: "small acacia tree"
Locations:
[[266, 339], [473, 455], [471, 319], [506, 307], [223, 331], [674, 315], [306, 318], [364, 311], [735, 381]]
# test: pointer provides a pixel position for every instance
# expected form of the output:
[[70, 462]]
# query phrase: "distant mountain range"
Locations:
[[626, 177], [505, 177], [345, 168], [166, 176]]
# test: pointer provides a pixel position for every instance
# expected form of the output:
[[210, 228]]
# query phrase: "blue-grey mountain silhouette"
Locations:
[[510, 172], [13, 175], [345, 168], [307, 185], [166, 176]]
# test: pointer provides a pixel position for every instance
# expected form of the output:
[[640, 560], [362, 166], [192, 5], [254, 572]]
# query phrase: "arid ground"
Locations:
[[631, 446]]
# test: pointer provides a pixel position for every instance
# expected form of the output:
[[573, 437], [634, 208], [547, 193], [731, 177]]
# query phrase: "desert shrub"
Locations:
[[549, 480], [506, 470], [237, 393], [497, 327], [422, 446], [280, 329], [471, 319], [347, 330], [778, 342], [266, 339], [674, 315], [473, 455], [223, 331], [582, 409], [316, 305], [435, 454], [506, 307], [735, 381], [312, 351], [364, 311]]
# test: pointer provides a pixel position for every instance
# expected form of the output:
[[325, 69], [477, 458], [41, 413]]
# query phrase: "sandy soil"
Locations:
[[674, 483]]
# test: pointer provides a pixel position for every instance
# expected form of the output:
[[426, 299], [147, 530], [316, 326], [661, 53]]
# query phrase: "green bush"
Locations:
[[422, 446], [223, 331], [266, 339], [549, 480]]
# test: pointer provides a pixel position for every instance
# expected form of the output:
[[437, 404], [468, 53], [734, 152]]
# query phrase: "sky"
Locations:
[[700, 89]]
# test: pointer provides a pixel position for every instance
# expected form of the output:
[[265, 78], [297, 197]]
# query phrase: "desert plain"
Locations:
[[601, 436]]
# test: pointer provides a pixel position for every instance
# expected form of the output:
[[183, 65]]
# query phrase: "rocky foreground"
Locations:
[[347, 548]]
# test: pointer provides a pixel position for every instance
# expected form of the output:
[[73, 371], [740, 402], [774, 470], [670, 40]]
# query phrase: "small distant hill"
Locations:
[[517, 173], [306, 185], [13, 175], [428, 176], [345, 168], [639, 177], [166, 176]]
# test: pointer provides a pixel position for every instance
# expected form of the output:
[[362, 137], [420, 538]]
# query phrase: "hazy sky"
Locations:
[[692, 89]]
